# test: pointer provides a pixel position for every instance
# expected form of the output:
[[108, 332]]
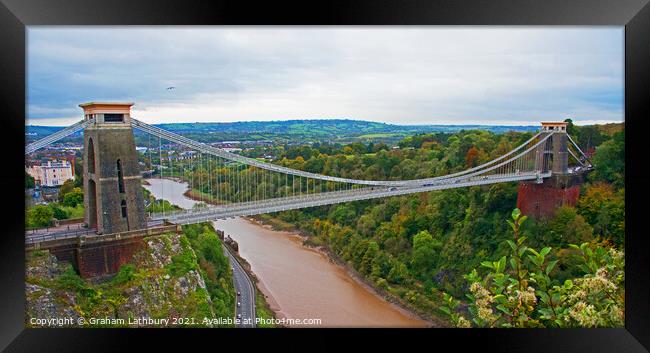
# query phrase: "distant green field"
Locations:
[[339, 130], [378, 135]]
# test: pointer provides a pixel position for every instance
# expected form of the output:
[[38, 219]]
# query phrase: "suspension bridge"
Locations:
[[231, 185]]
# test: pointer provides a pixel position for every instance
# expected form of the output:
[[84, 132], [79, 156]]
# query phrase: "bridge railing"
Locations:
[[38, 238], [91, 235], [34, 146], [193, 216]]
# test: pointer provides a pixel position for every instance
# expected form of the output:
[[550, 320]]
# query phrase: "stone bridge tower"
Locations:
[[558, 154], [112, 181], [541, 199]]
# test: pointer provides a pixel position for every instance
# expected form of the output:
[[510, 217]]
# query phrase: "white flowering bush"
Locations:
[[518, 292]]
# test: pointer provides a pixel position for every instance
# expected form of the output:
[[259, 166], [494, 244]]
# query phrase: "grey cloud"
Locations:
[[406, 75]]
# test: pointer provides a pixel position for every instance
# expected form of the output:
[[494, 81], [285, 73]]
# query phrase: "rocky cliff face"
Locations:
[[45, 301], [164, 282]]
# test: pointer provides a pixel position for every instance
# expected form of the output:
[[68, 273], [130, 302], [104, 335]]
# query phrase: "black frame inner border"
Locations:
[[15, 15]]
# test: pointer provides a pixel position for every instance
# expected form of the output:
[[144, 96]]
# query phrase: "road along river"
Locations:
[[300, 283]]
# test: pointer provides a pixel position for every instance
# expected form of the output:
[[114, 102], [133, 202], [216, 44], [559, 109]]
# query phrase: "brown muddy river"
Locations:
[[301, 283]]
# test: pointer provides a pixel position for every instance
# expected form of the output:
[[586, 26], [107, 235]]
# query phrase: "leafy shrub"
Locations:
[[70, 280], [125, 274], [73, 198], [58, 212], [39, 216], [181, 264], [524, 295]]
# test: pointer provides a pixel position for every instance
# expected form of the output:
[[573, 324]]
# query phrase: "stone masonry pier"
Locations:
[[100, 255]]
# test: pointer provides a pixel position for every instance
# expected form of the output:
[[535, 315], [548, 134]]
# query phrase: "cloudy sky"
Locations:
[[404, 75]]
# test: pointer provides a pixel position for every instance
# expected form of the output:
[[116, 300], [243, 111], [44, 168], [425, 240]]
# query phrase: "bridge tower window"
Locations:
[[113, 118], [120, 178], [91, 156], [123, 208]]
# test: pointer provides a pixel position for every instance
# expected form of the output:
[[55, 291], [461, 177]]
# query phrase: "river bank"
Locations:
[[276, 224]]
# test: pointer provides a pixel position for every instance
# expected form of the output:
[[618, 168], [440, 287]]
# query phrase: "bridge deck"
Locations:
[[327, 198]]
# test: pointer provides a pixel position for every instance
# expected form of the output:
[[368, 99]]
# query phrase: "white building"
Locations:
[[54, 173]]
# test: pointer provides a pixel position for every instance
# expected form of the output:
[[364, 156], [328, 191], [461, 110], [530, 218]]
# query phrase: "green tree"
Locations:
[[570, 128], [58, 212], [67, 187], [604, 208], [398, 272], [425, 253], [569, 227], [380, 265], [368, 258], [589, 137], [29, 181], [160, 205], [366, 225], [609, 161], [73, 198], [39, 216], [78, 167], [342, 214], [78, 181]]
